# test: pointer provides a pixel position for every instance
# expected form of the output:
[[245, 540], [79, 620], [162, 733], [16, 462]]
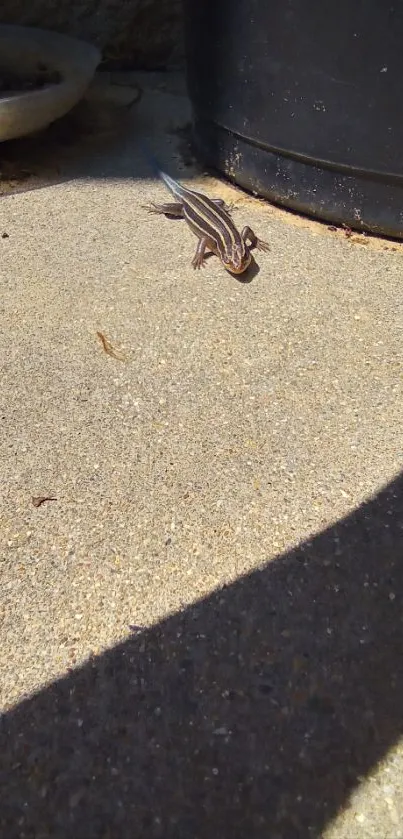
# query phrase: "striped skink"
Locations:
[[209, 219]]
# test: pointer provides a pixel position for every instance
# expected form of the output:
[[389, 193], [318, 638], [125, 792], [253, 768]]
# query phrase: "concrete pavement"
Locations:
[[238, 420]]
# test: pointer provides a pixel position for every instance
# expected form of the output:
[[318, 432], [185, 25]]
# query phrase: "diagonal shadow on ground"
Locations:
[[254, 712]]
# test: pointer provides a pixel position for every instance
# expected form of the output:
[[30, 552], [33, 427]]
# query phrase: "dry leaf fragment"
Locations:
[[38, 500], [109, 348]]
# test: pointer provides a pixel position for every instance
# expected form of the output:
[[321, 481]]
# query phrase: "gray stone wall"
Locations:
[[138, 34]]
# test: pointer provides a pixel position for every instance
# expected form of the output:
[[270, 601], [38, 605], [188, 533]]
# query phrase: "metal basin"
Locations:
[[24, 49]]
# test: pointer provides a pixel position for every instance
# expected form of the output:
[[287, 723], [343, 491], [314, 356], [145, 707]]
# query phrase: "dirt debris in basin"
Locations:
[[12, 82]]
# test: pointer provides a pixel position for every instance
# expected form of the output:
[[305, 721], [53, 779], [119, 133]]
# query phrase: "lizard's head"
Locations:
[[237, 259]]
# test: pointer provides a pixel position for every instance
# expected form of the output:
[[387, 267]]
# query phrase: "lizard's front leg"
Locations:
[[221, 203], [198, 259]]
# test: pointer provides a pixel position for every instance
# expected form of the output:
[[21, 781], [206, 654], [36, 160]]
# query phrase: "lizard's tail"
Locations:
[[169, 182], [150, 158]]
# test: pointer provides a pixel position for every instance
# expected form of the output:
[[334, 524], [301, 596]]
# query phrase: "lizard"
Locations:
[[210, 220]]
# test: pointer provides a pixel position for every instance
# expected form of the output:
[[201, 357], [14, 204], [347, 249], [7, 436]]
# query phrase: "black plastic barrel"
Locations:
[[301, 102]]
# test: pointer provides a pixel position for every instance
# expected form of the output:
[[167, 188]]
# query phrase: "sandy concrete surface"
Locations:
[[226, 482]]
